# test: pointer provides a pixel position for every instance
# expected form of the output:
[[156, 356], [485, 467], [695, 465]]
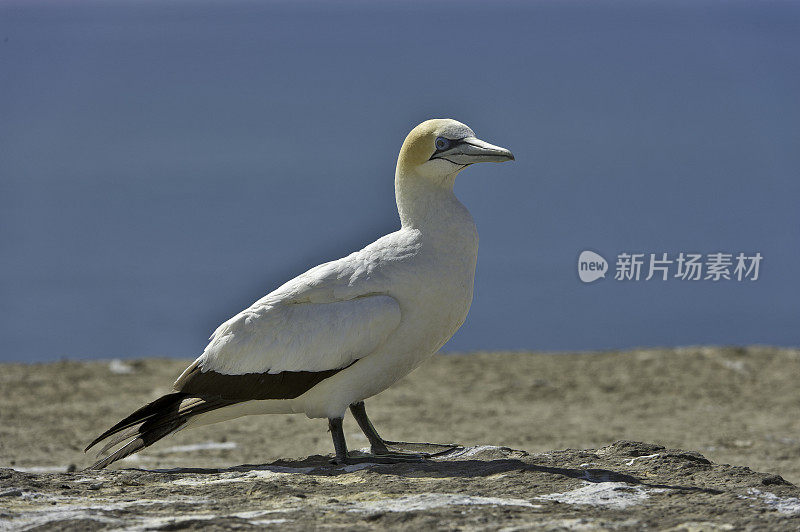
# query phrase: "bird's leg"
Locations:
[[379, 446], [339, 443], [340, 446]]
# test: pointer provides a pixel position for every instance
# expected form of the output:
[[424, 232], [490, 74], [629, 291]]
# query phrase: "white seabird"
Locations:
[[345, 330]]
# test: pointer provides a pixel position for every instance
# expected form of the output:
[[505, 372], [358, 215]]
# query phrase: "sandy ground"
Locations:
[[733, 405]]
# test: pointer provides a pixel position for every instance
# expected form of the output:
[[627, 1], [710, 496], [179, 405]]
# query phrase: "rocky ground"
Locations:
[[627, 486], [734, 405]]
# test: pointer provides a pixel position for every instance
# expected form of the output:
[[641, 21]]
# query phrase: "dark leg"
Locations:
[[340, 446], [379, 446], [339, 443]]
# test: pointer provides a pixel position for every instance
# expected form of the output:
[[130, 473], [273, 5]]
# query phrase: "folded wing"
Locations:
[[280, 350]]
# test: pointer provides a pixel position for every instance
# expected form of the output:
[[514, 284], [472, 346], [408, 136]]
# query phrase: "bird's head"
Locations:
[[439, 148]]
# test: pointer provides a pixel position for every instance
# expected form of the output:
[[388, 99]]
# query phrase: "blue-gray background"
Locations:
[[163, 164]]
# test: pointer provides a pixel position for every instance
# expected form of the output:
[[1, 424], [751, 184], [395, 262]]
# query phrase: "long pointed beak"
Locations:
[[473, 150]]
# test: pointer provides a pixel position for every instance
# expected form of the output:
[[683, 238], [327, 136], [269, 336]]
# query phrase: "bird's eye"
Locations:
[[442, 143]]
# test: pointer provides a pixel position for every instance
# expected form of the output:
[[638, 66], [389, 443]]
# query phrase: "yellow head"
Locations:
[[443, 147]]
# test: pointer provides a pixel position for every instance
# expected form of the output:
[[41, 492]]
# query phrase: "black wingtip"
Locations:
[[142, 414], [152, 422]]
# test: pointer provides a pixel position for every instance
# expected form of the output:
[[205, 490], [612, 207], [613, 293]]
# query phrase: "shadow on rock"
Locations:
[[474, 462]]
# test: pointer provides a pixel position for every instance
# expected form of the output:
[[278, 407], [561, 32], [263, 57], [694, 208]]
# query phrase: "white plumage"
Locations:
[[299, 336], [370, 317]]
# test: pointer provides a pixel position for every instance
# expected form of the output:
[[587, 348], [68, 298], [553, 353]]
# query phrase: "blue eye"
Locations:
[[442, 143]]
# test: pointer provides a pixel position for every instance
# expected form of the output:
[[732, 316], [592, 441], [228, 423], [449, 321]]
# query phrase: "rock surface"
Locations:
[[735, 405], [626, 486]]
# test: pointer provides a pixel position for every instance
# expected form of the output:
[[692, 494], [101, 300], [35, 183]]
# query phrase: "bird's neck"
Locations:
[[429, 206]]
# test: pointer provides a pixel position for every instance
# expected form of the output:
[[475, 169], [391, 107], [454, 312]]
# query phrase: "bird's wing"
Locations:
[[279, 351], [305, 331]]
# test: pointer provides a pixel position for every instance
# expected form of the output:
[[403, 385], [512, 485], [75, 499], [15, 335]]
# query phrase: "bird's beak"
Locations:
[[473, 150]]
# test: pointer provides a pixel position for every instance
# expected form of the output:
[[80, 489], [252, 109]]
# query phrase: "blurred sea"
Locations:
[[165, 163]]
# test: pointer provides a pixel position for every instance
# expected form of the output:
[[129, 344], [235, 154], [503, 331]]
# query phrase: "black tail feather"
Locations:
[[149, 410], [118, 438], [143, 440], [155, 420]]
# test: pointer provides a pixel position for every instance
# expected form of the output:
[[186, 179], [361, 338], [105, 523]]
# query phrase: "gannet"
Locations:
[[345, 330]]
